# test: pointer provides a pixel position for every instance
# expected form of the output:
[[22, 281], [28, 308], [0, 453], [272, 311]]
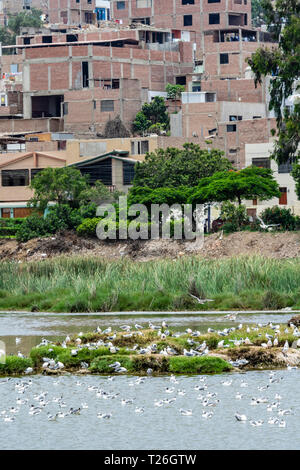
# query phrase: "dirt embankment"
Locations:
[[273, 245]]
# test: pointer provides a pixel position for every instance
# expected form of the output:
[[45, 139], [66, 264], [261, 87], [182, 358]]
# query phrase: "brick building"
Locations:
[[88, 78]]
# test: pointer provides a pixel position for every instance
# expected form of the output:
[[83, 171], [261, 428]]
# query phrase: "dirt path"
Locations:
[[273, 245]]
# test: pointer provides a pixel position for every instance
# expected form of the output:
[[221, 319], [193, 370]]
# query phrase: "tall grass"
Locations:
[[92, 284]]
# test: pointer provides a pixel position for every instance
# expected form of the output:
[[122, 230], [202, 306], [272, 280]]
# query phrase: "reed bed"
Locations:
[[81, 284]]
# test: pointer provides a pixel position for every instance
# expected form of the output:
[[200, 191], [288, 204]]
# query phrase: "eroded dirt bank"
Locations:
[[273, 245]]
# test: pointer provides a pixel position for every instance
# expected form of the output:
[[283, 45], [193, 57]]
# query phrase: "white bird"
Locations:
[[139, 410], [240, 417], [285, 347], [104, 415], [256, 423], [186, 412]]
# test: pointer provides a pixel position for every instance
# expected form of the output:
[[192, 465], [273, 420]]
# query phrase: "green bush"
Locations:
[[196, 365], [7, 231], [88, 227], [236, 215], [281, 216], [230, 227], [15, 365], [32, 227]]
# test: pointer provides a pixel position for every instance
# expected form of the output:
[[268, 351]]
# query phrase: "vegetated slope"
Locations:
[[272, 245]]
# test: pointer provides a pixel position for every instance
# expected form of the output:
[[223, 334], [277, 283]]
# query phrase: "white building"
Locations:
[[259, 155]]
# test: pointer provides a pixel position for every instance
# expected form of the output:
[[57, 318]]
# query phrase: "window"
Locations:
[[286, 167], [26, 41], [210, 97], [256, 117], [181, 80], [107, 105], [283, 197], [128, 173], [120, 5], [5, 213], [196, 87], [261, 162], [224, 58], [235, 118], [15, 177], [85, 74], [46, 39], [213, 1], [101, 170], [187, 20], [14, 68], [65, 108], [187, 2], [35, 172], [245, 19], [143, 3], [72, 37], [139, 147], [231, 127], [214, 18]]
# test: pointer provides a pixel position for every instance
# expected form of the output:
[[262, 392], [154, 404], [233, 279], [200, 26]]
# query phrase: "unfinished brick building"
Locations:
[[89, 77]]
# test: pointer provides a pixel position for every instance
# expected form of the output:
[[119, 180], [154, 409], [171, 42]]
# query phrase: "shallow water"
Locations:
[[158, 427], [31, 328]]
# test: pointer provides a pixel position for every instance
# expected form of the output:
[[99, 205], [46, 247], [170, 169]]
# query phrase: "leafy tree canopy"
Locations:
[[148, 196], [283, 65], [174, 91], [61, 185], [30, 18], [173, 167], [249, 183], [257, 13], [151, 114]]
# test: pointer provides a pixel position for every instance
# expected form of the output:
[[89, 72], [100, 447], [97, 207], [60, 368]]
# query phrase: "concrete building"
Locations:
[[85, 78], [17, 171], [72, 12], [258, 154]]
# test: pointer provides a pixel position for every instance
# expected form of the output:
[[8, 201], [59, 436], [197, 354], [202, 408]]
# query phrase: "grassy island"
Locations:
[[163, 351]]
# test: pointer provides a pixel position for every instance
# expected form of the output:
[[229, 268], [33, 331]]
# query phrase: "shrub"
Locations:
[[236, 215], [88, 227], [230, 227], [33, 226], [15, 365], [196, 365], [61, 217], [278, 215]]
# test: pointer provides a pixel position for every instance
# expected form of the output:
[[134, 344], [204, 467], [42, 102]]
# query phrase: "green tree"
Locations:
[[6, 38], [173, 167], [148, 196], [31, 18], [282, 63], [152, 113], [257, 13], [60, 185], [174, 92], [249, 183], [296, 175], [141, 124]]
